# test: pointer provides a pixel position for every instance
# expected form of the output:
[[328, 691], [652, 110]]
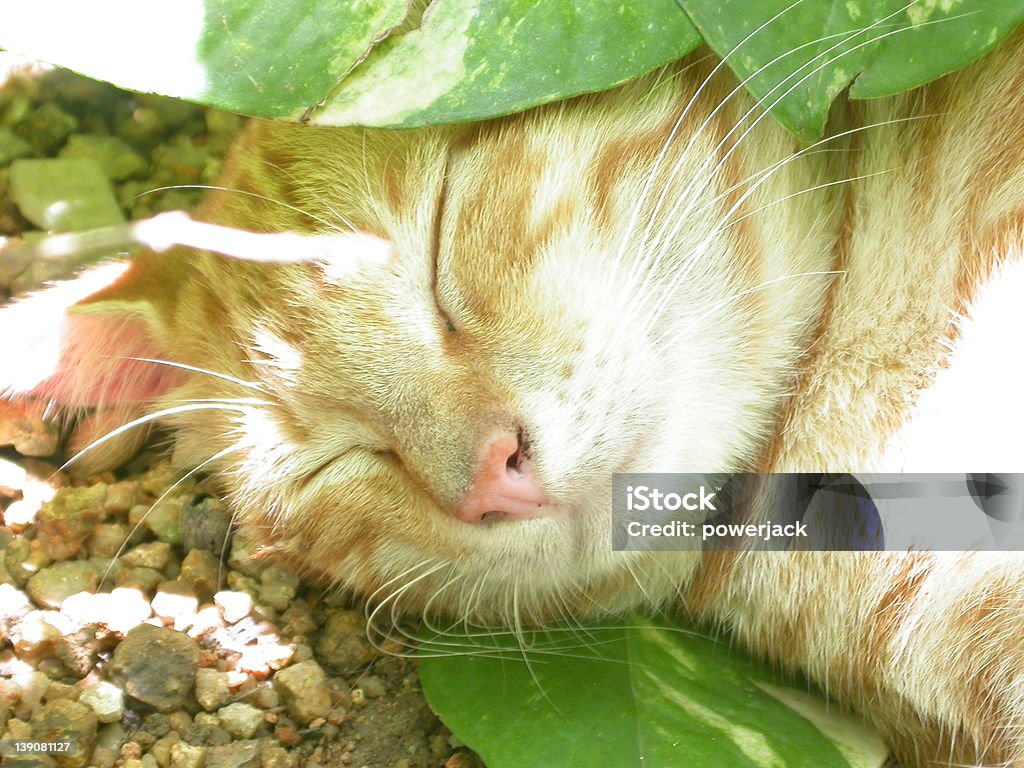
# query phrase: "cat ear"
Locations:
[[77, 342]]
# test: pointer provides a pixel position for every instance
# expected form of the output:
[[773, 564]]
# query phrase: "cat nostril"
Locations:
[[515, 461], [504, 485]]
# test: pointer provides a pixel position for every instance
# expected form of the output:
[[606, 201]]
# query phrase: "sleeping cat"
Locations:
[[650, 279]]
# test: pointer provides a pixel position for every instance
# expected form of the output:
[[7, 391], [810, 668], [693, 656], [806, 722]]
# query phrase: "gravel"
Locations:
[[154, 633]]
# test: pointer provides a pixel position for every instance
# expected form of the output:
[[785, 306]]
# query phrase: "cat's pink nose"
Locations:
[[504, 485]]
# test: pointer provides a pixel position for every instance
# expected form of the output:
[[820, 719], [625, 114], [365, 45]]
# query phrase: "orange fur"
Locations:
[[620, 286]]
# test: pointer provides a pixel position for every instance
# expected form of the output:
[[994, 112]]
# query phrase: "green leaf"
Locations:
[[642, 693], [473, 59], [945, 35], [273, 58], [797, 57], [280, 58]]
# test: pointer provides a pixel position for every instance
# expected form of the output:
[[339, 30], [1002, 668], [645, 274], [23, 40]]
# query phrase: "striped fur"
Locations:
[[636, 290]]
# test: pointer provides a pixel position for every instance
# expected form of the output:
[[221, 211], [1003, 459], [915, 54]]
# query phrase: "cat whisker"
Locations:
[[645, 190], [195, 369], [674, 219], [155, 416], [765, 111], [679, 278], [334, 211], [247, 193], [393, 598], [685, 154], [690, 195], [807, 190], [756, 180], [167, 492]]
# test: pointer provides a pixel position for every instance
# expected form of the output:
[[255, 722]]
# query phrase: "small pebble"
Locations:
[[212, 690], [56, 690], [234, 606], [179, 721], [244, 558], [240, 754], [154, 554], [67, 719], [14, 604], [53, 585], [161, 749], [79, 650], [156, 666], [372, 686], [46, 127], [201, 570], [107, 539], [22, 425], [65, 523], [115, 156], [121, 497], [274, 756], [12, 146], [106, 700], [342, 645], [265, 697], [304, 691], [143, 579], [120, 610], [206, 735], [205, 523], [64, 194], [185, 755], [143, 130], [277, 587], [206, 621], [111, 736], [162, 519], [175, 600], [241, 720]]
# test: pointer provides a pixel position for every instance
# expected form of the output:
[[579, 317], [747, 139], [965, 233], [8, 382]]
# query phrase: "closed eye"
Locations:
[[435, 254], [311, 476]]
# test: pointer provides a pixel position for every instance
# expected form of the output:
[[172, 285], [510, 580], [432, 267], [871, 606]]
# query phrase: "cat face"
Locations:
[[594, 287]]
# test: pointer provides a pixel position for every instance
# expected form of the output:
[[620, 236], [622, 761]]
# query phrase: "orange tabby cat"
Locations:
[[604, 286]]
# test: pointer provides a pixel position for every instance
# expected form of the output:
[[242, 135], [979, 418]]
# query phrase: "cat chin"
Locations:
[[524, 589]]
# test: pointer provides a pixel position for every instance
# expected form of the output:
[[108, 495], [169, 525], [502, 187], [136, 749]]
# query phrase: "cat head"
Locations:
[[554, 297]]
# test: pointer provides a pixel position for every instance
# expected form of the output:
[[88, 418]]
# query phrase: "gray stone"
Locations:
[[205, 524], [342, 645], [156, 666], [277, 588]]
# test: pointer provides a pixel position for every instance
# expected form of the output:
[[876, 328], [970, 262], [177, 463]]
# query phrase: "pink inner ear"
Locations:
[[48, 351], [95, 366]]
